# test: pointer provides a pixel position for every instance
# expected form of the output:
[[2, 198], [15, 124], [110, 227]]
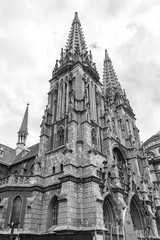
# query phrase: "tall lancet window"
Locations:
[[121, 165], [93, 137], [16, 210], [65, 100], [53, 212], [61, 104], [60, 136], [109, 215]]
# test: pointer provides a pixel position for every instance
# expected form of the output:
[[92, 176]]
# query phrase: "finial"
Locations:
[[106, 55], [76, 20]]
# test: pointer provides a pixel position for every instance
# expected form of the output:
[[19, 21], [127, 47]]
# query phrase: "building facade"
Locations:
[[152, 150], [88, 178]]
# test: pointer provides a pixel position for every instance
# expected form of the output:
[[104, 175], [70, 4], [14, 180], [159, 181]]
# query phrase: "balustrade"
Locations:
[[19, 180]]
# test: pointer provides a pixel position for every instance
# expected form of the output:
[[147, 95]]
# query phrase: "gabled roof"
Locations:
[[26, 154], [8, 154]]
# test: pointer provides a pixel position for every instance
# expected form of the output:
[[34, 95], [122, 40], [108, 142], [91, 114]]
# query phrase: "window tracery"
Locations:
[[109, 215]]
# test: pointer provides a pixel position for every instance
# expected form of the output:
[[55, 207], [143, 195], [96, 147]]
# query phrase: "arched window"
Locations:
[[53, 212], [65, 100], [158, 222], [61, 167], [60, 136], [136, 215], [16, 172], [1, 174], [120, 162], [53, 169], [109, 215], [62, 98], [93, 137], [16, 210]]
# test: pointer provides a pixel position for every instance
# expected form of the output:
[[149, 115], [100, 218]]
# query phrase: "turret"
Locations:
[[22, 133]]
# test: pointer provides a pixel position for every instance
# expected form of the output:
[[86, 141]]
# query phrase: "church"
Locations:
[[89, 176]]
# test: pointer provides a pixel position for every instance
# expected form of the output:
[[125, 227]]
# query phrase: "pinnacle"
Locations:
[[76, 20], [24, 125], [106, 56], [76, 49], [110, 79], [76, 38]]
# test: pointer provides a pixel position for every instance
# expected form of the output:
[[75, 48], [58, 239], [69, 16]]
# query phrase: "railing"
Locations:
[[21, 180], [16, 180]]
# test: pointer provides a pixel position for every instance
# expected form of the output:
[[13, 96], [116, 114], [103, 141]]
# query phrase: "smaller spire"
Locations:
[[106, 56], [23, 131], [24, 125], [76, 20], [110, 79]]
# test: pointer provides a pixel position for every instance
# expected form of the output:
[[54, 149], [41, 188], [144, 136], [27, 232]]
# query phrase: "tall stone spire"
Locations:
[[112, 87], [23, 132], [76, 49], [110, 80], [76, 41]]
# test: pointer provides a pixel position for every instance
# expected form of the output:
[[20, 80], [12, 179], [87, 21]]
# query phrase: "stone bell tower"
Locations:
[[93, 167]]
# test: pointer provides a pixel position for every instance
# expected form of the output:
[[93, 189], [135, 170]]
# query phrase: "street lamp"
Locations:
[[12, 226]]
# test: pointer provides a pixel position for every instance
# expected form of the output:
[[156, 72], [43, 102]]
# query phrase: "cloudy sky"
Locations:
[[32, 32]]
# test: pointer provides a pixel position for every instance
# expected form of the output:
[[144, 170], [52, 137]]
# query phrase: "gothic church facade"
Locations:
[[88, 177]]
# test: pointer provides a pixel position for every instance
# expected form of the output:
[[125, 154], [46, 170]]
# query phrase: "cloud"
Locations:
[[94, 45]]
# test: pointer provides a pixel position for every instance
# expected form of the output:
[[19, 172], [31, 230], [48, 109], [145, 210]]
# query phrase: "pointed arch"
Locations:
[[158, 222], [53, 170], [61, 167], [66, 97], [53, 207], [136, 214], [93, 137], [61, 97], [121, 165], [16, 210], [117, 98], [109, 214], [60, 136]]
